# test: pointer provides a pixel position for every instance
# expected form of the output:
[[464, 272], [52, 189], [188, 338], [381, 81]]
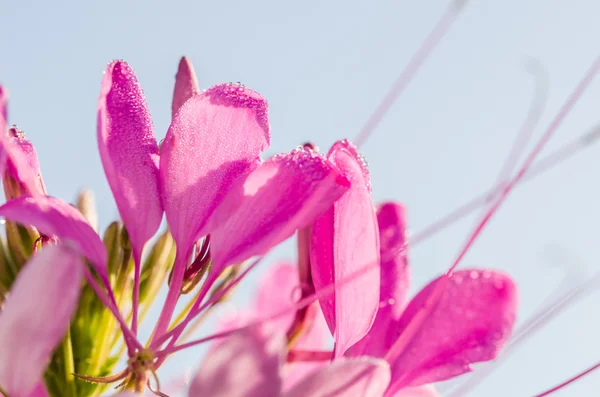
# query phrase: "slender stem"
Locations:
[[69, 364]]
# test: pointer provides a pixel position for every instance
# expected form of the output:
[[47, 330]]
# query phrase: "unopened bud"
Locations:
[[157, 266], [14, 186], [112, 242], [86, 203]]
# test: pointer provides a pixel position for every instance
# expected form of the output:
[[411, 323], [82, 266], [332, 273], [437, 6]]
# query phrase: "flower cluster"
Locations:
[[72, 301]]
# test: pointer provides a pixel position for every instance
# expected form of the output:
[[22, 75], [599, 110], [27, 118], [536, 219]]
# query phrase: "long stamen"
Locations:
[[325, 292], [411, 329], [569, 381], [130, 339], [543, 165], [440, 29], [198, 308], [525, 133]]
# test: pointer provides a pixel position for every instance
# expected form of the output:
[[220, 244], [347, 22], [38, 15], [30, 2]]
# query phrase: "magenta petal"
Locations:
[[245, 364], [471, 321], [345, 249], [129, 153], [39, 391], [395, 281], [36, 316], [54, 217], [346, 377], [214, 138], [278, 290], [284, 194], [186, 85]]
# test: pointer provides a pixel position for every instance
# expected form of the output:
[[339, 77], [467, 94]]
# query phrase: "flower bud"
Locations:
[[156, 267], [13, 185], [86, 203]]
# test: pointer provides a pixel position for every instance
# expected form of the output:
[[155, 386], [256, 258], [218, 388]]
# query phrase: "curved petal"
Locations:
[[277, 292], [345, 244], [54, 217], [186, 85], [395, 280], [244, 365], [347, 377], [39, 391], [469, 323], [129, 153], [284, 194], [214, 138], [36, 316]]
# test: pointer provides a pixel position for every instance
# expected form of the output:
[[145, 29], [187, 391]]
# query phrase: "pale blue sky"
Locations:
[[323, 66]]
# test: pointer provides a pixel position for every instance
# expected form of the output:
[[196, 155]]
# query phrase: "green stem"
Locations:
[[69, 364]]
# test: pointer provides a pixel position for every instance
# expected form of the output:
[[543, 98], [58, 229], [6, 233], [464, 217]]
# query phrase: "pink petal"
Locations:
[[129, 153], [54, 217], [36, 316], [345, 244], [39, 391], [421, 391], [244, 365], [278, 290], [214, 138], [395, 280], [470, 322], [347, 377], [284, 194], [186, 85], [23, 166]]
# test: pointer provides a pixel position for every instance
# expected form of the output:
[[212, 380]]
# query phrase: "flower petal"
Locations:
[[39, 391], [186, 85], [276, 293], [129, 153], [245, 364], [36, 316], [54, 217], [347, 377], [395, 281], [284, 194], [469, 323], [214, 138], [345, 244], [280, 290]]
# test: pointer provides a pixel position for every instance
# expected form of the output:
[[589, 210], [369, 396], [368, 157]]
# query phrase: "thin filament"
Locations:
[[435, 37]]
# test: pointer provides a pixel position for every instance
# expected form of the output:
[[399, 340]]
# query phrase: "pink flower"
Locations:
[[209, 179], [454, 321]]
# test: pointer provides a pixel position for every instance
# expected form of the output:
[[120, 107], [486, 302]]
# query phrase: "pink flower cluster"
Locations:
[[208, 178]]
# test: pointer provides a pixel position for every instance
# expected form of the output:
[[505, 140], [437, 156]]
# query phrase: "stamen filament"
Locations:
[[436, 35]]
